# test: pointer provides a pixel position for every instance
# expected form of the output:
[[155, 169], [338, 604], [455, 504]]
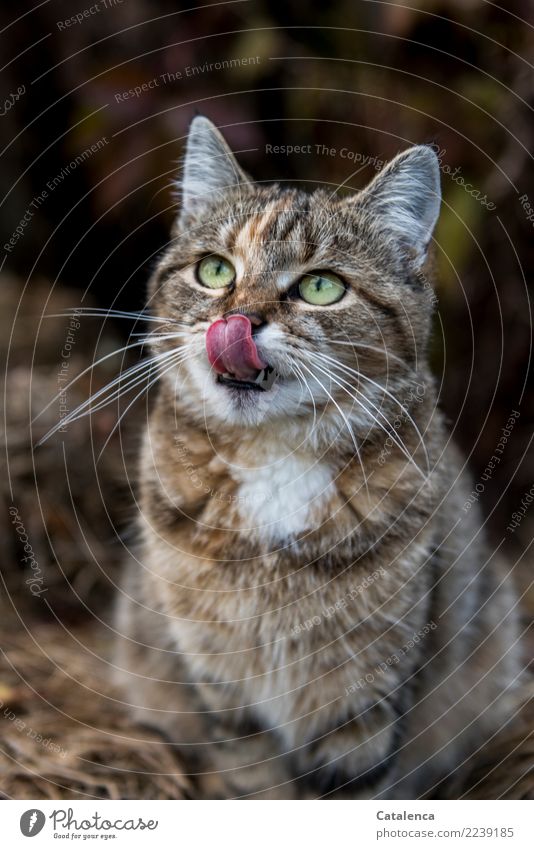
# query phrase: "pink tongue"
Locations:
[[232, 349]]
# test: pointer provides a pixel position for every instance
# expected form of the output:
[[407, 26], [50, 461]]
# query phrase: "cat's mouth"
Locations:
[[233, 355], [264, 380]]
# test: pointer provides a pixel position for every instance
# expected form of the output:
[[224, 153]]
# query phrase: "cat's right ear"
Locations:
[[209, 169], [404, 199]]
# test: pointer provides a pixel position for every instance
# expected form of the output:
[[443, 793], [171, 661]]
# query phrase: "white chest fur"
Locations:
[[280, 499]]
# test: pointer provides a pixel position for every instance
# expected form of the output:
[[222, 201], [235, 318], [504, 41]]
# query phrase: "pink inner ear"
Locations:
[[232, 349]]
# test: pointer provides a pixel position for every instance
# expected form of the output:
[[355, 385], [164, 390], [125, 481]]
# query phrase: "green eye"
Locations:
[[321, 289], [215, 272]]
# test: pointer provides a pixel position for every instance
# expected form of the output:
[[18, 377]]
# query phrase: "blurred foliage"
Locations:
[[369, 76]]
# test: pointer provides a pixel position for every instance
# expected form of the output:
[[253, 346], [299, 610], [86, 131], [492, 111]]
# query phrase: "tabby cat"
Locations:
[[310, 611]]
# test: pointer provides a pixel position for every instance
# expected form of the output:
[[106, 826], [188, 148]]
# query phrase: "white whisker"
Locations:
[[133, 376], [89, 368], [102, 312], [406, 413], [383, 351], [103, 359], [349, 428], [391, 434], [298, 371], [120, 385], [162, 368]]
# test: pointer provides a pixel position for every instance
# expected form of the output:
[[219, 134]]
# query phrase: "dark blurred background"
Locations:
[[368, 77], [86, 205]]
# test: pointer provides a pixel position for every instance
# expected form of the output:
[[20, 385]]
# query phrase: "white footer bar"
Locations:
[[269, 825]]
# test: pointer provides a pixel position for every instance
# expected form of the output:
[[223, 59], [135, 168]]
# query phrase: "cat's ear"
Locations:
[[405, 197], [209, 169]]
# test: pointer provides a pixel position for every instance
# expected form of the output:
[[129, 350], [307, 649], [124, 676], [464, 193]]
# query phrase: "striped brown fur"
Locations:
[[311, 611]]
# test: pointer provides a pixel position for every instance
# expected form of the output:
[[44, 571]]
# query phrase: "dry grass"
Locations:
[[63, 731]]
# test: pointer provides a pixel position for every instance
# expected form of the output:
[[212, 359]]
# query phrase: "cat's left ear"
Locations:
[[405, 197], [209, 169]]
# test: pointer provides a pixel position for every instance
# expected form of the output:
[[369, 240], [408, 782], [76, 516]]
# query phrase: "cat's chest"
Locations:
[[285, 497]]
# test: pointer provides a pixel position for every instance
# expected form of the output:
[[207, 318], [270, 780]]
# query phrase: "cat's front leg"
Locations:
[[352, 755]]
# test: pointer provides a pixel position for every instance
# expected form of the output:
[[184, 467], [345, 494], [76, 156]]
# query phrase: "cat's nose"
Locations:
[[255, 318]]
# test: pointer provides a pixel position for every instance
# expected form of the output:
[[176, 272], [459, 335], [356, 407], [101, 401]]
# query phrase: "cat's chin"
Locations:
[[246, 401], [225, 400]]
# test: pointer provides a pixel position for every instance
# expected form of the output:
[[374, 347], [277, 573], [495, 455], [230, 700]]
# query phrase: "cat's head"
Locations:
[[295, 304]]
